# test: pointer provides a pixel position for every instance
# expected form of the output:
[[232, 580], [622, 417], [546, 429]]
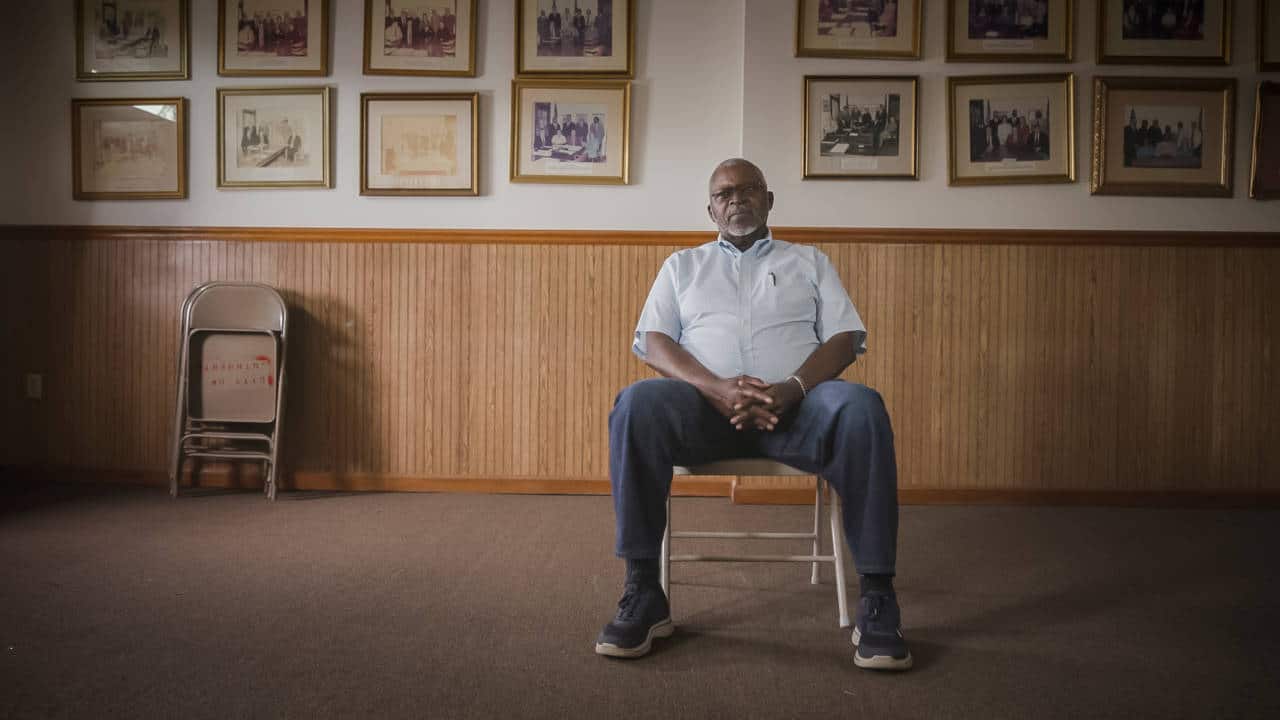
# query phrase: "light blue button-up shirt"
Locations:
[[761, 312]]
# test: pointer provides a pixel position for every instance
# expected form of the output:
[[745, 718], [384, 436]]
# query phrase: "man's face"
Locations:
[[740, 200]]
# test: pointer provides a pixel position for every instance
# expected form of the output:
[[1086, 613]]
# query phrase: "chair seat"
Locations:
[[740, 466]]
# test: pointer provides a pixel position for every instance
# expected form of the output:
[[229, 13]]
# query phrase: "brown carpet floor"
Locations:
[[118, 602]]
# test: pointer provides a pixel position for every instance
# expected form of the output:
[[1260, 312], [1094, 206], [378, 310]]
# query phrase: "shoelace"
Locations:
[[875, 602], [629, 605]]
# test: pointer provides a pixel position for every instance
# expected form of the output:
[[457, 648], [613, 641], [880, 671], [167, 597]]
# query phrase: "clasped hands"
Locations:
[[751, 402]]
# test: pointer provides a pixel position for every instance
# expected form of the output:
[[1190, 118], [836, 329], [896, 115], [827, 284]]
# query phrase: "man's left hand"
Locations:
[[786, 395]]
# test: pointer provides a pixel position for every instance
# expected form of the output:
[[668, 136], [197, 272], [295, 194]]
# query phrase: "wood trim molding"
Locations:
[[836, 236], [222, 476]]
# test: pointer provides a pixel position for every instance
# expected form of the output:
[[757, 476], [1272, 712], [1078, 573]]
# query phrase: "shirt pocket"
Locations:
[[789, 299]]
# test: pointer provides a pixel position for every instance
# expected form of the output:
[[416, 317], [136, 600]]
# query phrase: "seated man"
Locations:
[[750, 335]]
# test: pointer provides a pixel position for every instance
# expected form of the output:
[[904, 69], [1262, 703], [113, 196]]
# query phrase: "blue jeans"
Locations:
[[839, 431]]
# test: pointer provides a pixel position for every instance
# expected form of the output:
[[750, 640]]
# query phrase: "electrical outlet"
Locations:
[[35, 386]]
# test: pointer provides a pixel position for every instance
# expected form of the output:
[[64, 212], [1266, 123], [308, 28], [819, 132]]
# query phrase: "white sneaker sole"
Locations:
[[663, 629], [879, 662]]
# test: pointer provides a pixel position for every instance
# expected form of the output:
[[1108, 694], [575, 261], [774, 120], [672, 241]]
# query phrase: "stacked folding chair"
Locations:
[[231, 363]]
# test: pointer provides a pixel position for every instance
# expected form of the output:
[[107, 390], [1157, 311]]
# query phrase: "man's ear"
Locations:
[[770, 194], [711, 214]]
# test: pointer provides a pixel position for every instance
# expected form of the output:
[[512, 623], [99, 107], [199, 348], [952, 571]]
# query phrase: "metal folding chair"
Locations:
[[764, 467], [232, 407]]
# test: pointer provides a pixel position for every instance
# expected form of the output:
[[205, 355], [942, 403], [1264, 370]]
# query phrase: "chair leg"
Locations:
[[837, 549], [664, 564], [817, 529]]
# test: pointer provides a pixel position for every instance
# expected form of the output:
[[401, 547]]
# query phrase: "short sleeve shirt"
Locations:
[[761, 312]]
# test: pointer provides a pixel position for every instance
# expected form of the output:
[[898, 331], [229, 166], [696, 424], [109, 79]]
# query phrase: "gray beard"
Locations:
[[738, 230]]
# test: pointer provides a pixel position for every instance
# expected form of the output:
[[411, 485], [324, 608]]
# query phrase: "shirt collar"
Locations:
[[760, 246]]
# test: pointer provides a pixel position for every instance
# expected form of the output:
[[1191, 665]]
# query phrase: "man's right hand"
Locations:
[[743, 401]]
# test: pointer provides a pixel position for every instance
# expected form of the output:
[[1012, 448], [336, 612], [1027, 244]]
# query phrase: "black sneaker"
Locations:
[[878, 634], [643, 614]]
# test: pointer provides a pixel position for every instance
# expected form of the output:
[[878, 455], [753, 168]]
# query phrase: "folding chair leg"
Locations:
[[837, 549], [179, 413], [664, 564], [817, 529]]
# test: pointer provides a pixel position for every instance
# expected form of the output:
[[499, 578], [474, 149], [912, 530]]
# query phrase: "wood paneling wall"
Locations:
[[1009, 362]]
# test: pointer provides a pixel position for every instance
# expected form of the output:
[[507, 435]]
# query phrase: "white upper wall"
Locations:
[[697, 99], [772, 126], [686, 114]]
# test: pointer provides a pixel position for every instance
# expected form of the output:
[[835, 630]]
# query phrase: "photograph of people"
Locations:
[[1009, 129], [130, 28], [1163, 20], [857, 125], [1164, 137], [568, 133], [575, 28], [272, 27], [1008, 19], [268, 139], [420, 28], [858, 18]]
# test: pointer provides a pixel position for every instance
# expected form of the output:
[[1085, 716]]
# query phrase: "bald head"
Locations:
[[740, 164], [740, 201]]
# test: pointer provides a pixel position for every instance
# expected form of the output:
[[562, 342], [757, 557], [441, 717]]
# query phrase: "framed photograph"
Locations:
[[1264, 175], [133, 40], [1011, 129], [273, 37], [594, 38], [571, 131], [132, 149], [1158, 32], [1162, 136], [1268, 36], [1010, 31], [419, 144], [888, 29], [420, 37], [274, 137], [860, 127]]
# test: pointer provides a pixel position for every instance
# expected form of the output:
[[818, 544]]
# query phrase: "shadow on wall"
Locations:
[[333, 430]]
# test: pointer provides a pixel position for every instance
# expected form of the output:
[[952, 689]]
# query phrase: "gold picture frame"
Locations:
[[260, 147], [811, 28], [1017, 129], [1268, 37], [1010, 41], [445, 155], [272, 48], [1167, 40], [544, 151], [850, 135], [1264, 168], [458, 33], [111, 51], [138, 145], [542, 51], [1199, 116]]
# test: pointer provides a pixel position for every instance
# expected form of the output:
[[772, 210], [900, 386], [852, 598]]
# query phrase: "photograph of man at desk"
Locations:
[[856, 125], [569, 133], [268, 139]]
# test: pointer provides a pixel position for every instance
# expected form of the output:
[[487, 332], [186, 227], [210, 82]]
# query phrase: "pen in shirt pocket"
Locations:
[[773, 280]]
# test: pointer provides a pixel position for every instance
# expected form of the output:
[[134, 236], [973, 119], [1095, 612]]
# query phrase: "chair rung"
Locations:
[[745, 535], [753, 558], [228, 436], [228, 454]]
